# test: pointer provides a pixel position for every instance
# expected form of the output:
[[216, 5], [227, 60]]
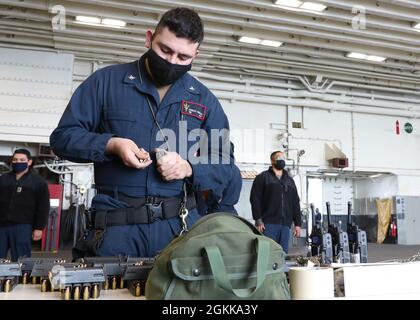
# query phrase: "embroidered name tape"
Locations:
[[194, 109]]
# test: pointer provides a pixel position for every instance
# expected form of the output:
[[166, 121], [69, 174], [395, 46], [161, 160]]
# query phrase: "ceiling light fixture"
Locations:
[[362, 56], [105, 22], [249, 40], [271, 43], [301, 5], [113, 23], [356, 55], [289, 3], [312, 6], [376, 58], [91, 20]]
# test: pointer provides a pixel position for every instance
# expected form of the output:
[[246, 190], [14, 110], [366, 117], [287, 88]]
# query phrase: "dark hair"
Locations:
[[274, 154], [23, 151], [184, 22]]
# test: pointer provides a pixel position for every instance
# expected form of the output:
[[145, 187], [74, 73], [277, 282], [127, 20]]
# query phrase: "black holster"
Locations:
[[88, 244]]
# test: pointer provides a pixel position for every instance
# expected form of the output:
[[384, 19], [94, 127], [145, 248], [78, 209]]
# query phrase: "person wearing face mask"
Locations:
[[24, 207], [118, 118], [275, 202]]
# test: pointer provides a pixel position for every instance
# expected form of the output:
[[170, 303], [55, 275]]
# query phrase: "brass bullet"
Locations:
[[95, 292], [44, 285], [114, 283], [66, 293], [25, 278], [86, 293], [122, 284], [34, 280], [137, 289], [106, 284], [7, 285], [76, 293]]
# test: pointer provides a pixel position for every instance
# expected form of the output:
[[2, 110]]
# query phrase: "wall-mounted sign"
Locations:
[[408, 127]]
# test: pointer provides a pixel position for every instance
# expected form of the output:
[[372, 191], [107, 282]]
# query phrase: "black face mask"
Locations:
[[279, 164], [163, 72]]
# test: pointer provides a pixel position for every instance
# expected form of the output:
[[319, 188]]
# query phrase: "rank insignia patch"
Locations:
[[194, 109]]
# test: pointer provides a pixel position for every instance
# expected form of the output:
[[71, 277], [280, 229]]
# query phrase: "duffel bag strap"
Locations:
[[218, 268]]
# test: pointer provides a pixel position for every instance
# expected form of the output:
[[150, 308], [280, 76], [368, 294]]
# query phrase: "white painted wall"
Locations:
[[252, 133], [34, 90], [408, 185], [385, 187], [378, 147]]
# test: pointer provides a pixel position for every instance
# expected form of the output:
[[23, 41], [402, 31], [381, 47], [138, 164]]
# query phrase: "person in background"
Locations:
[[275, 202], [24, 207]]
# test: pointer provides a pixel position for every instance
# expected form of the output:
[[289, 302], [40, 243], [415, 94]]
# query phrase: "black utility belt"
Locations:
[[148, 212]]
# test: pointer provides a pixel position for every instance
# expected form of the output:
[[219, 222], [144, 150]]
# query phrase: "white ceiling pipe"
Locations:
[[208, 47], [86, 34], [330, 59], [261, 83], [406, 3], [369, 83], [337, 14], [320, 69], [375, 96], [233, 10], [300, 21], [141, 39], [358, 86], [336, 36], [86, 48], [272, 62], [27, 41], [26, 47], [299, 30], [376, 8], [323, 97], [316, 105], [84, 9], [315, 42], [400, 57]]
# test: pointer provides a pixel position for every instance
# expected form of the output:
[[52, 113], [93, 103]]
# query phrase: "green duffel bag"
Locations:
[[221, 257]]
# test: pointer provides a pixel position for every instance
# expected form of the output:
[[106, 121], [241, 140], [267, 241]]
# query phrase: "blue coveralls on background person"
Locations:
[[112, 102]]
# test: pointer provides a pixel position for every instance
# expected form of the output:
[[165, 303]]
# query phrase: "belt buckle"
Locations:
[[154, 211]]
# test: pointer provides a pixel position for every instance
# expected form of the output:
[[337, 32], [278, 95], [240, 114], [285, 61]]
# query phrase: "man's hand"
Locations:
[[36, 235], [260, 225], [296, 232], [172, 167], [129, 153]]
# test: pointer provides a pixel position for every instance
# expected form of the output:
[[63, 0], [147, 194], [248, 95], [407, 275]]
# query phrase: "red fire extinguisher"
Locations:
[[397, 127], [393, 229]]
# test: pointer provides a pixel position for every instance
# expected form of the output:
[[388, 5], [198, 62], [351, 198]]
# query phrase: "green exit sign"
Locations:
[[408, 127]]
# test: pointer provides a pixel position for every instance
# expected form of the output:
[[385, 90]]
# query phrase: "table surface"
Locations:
[[33, 292]]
